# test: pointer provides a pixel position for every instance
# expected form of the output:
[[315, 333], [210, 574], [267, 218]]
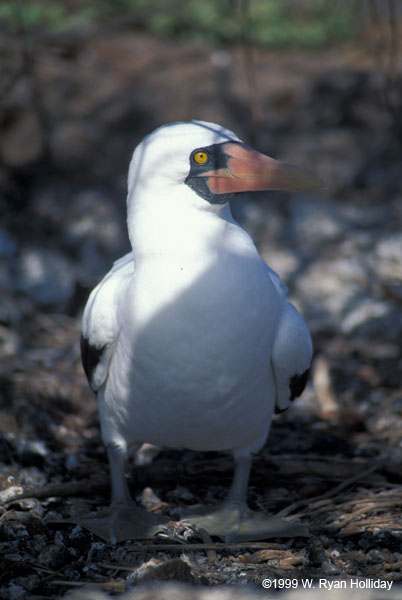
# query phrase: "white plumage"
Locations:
[[189, 341]]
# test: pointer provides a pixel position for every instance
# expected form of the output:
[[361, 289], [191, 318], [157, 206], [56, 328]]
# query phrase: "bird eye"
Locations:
[[200, 157]]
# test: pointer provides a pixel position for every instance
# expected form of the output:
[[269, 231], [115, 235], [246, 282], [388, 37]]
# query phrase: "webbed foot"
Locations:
[[122, 521], [233, 523]]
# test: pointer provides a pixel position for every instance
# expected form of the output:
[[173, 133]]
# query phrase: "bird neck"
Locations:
[[174, 226]]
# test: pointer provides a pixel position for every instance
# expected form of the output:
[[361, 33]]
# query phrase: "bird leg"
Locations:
[[123, 520], [234, 521]]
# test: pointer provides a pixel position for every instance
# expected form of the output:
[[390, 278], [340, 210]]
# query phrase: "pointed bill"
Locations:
[[247, 170]]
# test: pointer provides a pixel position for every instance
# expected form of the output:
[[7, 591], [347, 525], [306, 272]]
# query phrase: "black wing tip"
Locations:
[[90, 357], [297, 384]]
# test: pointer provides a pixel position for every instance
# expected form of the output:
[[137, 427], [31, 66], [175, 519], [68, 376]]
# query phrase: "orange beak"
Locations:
[[247, 170]]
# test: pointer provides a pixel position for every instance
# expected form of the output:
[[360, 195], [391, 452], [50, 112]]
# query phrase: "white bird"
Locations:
[[189, 341]]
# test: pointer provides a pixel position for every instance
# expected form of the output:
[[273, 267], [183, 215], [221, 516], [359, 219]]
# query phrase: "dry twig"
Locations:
[[330, 494]]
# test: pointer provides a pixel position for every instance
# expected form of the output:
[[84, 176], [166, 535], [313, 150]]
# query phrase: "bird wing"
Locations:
[[100, 323], [291, 353]]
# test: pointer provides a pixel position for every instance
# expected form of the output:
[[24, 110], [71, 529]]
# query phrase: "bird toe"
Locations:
[[121, 522], [234, 524]]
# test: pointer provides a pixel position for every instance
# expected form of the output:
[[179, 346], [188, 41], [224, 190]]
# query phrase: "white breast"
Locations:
[[196, 349]]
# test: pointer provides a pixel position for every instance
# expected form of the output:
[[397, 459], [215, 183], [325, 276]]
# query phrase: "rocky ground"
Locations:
[[72, 111]]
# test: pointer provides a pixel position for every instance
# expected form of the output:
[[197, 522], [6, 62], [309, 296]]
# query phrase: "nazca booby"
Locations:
[[189, 341]]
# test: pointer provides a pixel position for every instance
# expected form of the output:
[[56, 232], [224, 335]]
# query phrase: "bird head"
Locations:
[[212, 161]]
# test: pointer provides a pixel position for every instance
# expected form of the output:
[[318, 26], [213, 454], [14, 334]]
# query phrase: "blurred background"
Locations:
[[317, 83]]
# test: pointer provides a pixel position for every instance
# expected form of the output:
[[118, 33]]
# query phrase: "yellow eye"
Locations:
[[200, 157]]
